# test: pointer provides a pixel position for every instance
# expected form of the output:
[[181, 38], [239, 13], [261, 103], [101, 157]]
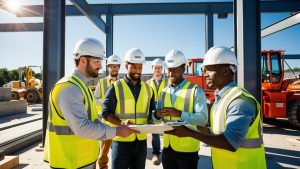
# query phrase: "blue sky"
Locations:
[[154, 35]]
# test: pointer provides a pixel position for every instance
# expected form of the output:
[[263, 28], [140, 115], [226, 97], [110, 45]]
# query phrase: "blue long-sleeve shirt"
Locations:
[[199, 116], [241, 113]]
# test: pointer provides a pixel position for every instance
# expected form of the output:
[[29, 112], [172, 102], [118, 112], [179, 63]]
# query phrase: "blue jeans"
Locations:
[[129, 154], [155, 144]]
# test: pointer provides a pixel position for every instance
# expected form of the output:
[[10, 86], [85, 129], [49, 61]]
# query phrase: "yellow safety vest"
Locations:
[[128, 109], [164, 83], [184, 102], [251, 154], [64, 149], [104, 85]]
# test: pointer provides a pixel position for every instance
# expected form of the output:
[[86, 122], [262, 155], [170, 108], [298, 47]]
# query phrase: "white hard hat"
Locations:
[[89, 47], [174, 59], [219, 55], [134, 55], [113, 59], [158, 62]]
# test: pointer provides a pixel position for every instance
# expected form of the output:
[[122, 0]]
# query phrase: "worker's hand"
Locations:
[[126, 123], [170, 111], [180, 131], [124, 131], [160, 112]]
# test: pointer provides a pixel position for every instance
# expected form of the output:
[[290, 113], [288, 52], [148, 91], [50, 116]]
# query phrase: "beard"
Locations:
[[90, 72], [133, 77], [174, 80], [113, 74]]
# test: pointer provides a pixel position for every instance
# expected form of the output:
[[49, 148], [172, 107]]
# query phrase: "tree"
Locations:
[[13, 75], [295, 69], [38, 76], [3, 76], [7, 76]]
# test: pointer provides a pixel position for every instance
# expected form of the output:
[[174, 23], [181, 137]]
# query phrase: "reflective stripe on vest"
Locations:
[[184, 102], [164, 83], [187, 100], [251, 153], [60, 130], [129, 109], [64, 149]]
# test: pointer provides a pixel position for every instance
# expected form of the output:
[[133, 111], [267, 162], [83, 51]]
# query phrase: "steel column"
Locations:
[[54, 50], [209, 31], [109, 34], [234, 27], [248, 46]]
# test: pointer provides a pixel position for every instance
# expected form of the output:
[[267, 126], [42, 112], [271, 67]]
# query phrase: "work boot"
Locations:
[[155, 159]]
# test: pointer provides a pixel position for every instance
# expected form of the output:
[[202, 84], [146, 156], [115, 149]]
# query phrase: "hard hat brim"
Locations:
[[174, 66], [134, 62]]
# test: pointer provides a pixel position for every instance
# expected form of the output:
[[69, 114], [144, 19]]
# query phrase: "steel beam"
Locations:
[[165, 8], [151, 58], [90, 13], [248, 46], [54, 50], [291, 56], [281, 25], [209, 31], [21, 27], [280, 6]]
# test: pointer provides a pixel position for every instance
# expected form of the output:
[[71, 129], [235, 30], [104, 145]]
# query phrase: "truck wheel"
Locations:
[[14, 95], [293, 111], [31, 96]]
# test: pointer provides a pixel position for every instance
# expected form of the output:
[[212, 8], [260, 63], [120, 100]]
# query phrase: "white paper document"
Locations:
[[156, 128]]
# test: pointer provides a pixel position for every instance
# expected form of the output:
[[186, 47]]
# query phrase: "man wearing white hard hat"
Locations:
[[157, 83], [129, 101], [73, 130], [113, 66], [180, 101], [235, 134]]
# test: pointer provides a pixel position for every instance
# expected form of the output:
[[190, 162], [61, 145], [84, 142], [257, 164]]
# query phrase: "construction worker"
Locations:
[[113, 66], [180, 101], [129, 101], [235, 120], [157, 83], [73, 130]]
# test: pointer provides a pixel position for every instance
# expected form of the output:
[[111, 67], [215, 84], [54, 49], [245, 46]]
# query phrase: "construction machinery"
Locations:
[[280, 95], [194, 75], [31, 90]]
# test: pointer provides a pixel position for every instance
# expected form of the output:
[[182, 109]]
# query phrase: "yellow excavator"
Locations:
[[31, 90]]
